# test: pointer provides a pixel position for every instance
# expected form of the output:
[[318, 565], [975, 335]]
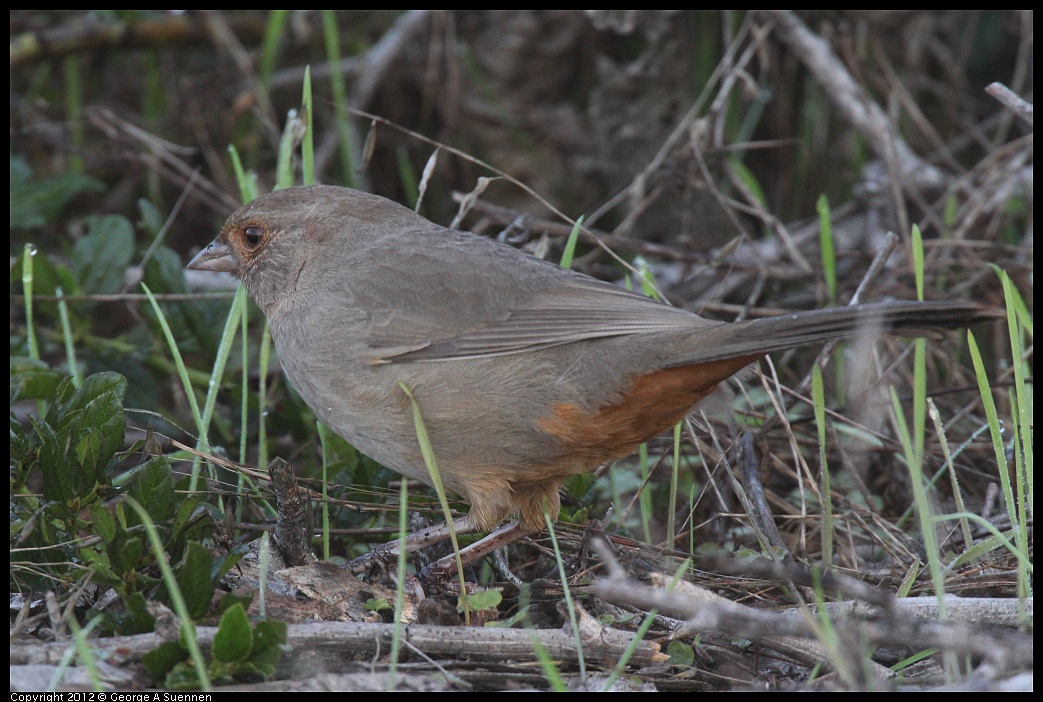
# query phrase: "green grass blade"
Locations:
[[436, 481], [819, 400], [569, 604], [308, 140], [188, 629], [70, 347], [340, 100], [400, 583], [570, 244], [825, 240]]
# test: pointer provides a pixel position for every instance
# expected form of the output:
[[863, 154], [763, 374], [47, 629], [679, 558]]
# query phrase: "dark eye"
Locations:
[[253, 235]]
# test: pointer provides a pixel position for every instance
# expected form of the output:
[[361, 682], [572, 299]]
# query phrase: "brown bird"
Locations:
[[525, 373]]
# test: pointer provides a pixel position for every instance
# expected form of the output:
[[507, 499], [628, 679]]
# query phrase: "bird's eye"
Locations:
[[253, 235]]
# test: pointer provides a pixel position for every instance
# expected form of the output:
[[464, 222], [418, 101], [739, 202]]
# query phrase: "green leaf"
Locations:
[[228, 561], [32, 379], [101, 564], [63, 479], [151, 217], [192, 521], [152, 485], [377, 604], [100, 258], [88, 446], [97, 405], [79, 438], [193, 577], [125, 554], [185, 513], [102, 522], [578, 486], [233, 640], [681, 654], [46, 277], [135, 619], [160, 661], [182, 677], [750, 181], [34, 203], [570, 244], [230, 598], [201, 320], [482, 599], [254, 670], [37, 541], [268, 639], [165, 272]]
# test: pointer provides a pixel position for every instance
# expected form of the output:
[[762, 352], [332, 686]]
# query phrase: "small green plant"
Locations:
[[241, 653], [72, 452]]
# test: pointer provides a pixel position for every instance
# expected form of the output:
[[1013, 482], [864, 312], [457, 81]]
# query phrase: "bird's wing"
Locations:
[[442, 310], [559, 317]]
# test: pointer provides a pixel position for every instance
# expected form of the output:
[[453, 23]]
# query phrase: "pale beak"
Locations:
[[218, 256]]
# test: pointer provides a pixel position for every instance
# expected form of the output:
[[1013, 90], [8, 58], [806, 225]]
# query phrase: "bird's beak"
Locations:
[[218, 256]]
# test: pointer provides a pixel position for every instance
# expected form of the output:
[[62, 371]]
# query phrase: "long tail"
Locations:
[[761, 336]]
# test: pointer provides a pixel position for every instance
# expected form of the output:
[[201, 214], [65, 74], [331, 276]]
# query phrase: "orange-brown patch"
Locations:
[[653, 403]]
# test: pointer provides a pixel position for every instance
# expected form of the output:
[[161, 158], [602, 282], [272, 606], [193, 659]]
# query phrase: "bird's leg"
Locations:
[[387, 555], [444, 568], [438, 576]]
